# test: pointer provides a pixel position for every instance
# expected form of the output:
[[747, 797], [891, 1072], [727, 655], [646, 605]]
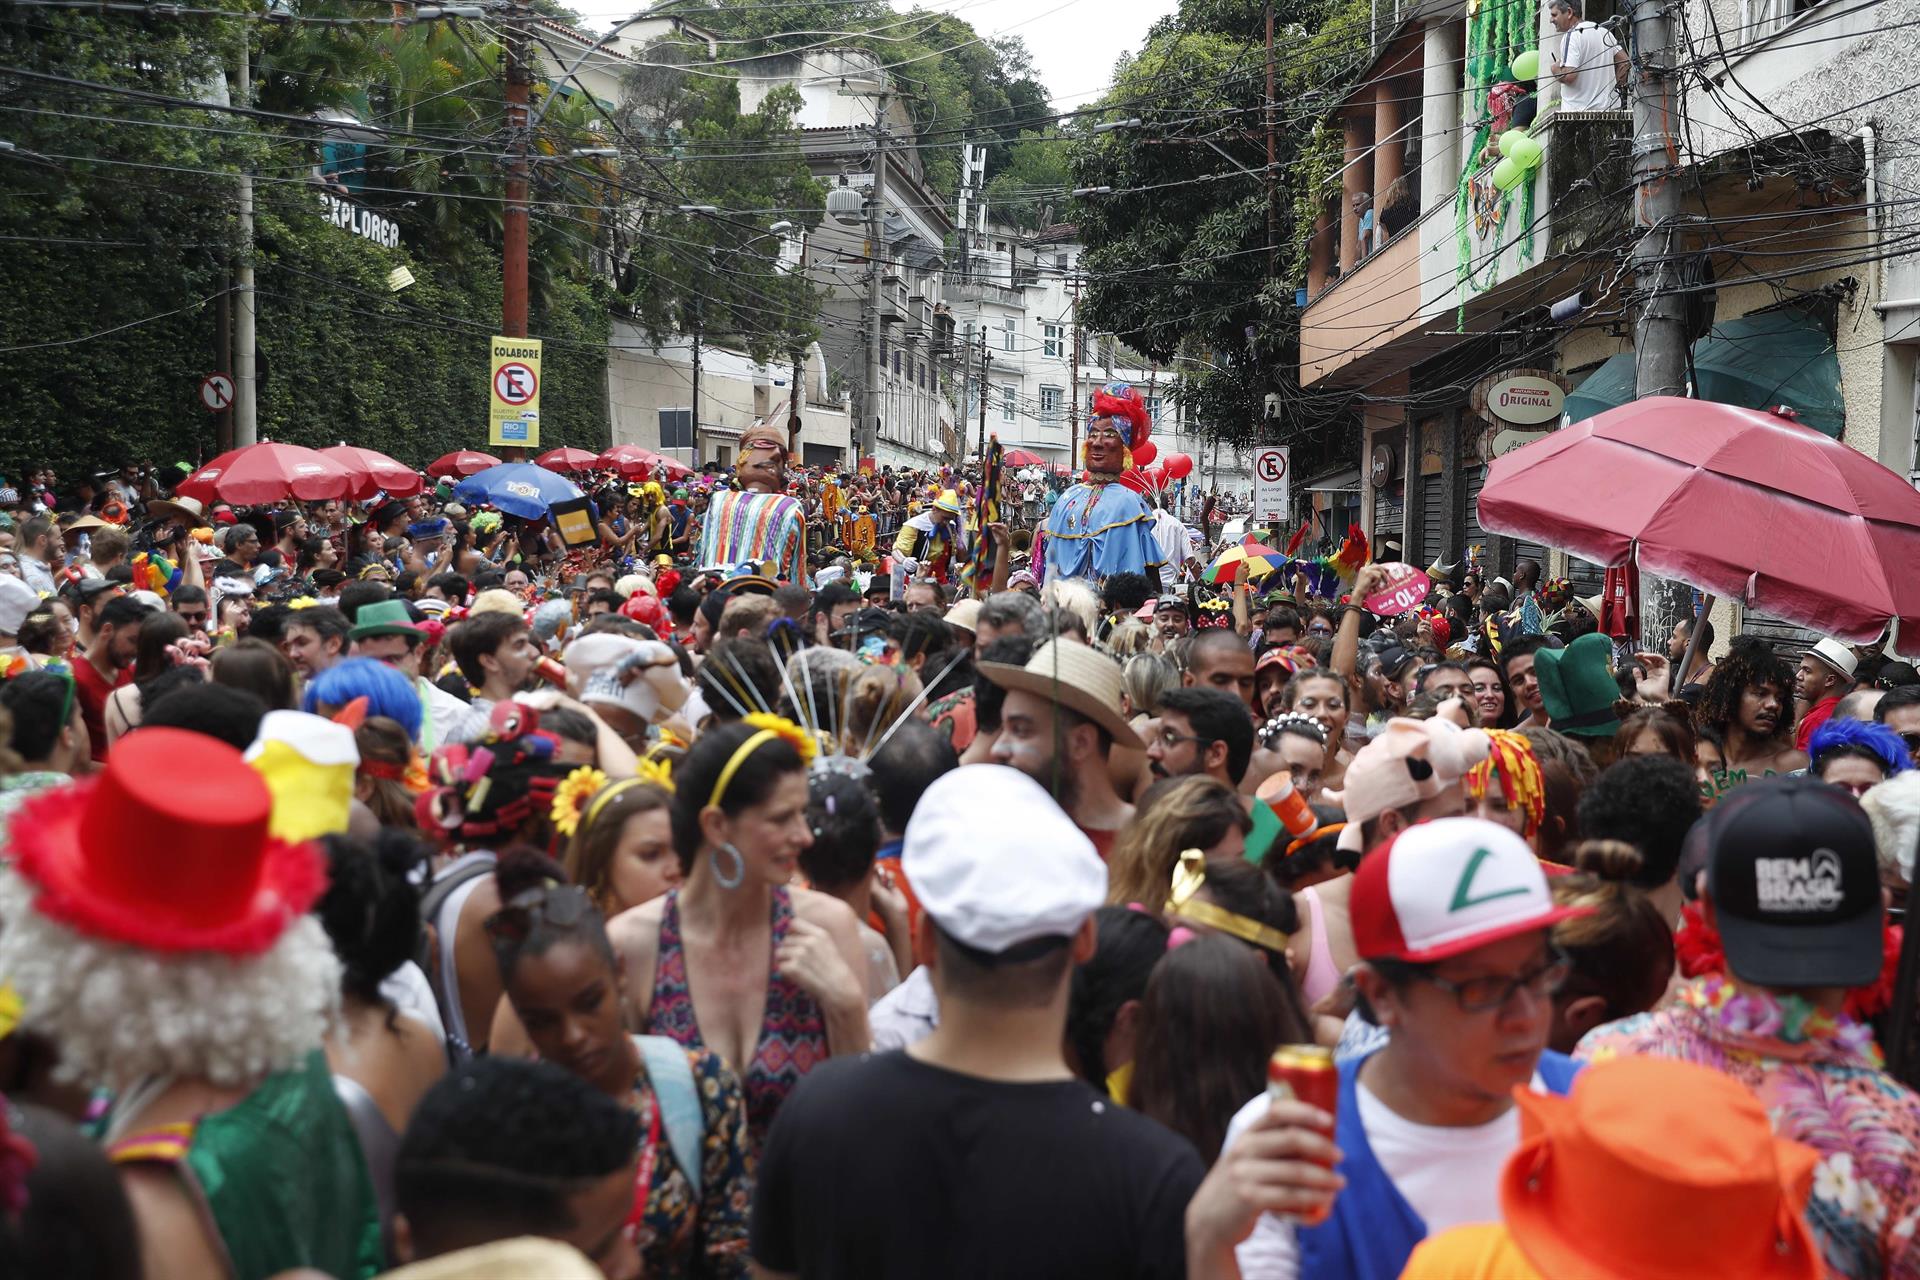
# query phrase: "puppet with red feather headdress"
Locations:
[[1102, 526]]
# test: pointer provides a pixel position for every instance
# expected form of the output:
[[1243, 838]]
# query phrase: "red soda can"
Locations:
[[552, 672], [1305, 1073]]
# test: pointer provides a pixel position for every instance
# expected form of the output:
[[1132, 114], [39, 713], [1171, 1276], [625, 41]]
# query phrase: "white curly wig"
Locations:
[[120, 1014], [1078, 597]]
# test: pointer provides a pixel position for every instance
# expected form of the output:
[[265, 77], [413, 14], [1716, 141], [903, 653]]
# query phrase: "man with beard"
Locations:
[[1202, 731], [1060, 722]]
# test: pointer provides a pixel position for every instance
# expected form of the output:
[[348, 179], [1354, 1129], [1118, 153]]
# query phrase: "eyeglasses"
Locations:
[[560, 905], [1483, 995], [1168, 738]]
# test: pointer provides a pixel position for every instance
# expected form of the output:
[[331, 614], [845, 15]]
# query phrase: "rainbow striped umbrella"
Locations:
[[1260, 560]]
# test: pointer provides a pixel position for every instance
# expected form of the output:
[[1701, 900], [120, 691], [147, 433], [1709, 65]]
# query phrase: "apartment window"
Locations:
[[896, 364], [1153, 410], [1051, 345], [1059, 262], [676, 428], [920, 372], [1009, 332], [1008, 399], [1051, 398]]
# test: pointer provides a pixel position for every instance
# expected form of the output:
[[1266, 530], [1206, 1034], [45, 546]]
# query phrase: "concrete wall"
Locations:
[[734, 392]]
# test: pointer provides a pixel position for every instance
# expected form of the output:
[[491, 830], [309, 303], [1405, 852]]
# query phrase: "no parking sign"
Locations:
[[1270, 468], [513, 415]]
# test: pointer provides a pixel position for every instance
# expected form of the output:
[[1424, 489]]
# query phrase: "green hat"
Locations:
[[1578, 688], [385, 618]]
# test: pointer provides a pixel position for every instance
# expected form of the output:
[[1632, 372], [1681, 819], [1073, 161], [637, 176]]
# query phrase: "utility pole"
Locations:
[[966, 391], [223, 359], [1073, 399], [986, 367], [513, 290], [246, 417], [696, 383], [876, 251], [1273, 198], [1660, 333]]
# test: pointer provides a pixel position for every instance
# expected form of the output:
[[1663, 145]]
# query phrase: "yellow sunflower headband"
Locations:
[[1185, 903], [768, 728], [588, 781]]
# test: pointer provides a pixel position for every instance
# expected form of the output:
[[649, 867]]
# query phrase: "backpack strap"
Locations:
[[672, 1075]]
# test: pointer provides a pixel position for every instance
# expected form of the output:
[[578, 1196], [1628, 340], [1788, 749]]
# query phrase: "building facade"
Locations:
[[1468, 320]]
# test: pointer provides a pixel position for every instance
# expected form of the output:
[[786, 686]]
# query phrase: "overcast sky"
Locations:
[[1074, 42]]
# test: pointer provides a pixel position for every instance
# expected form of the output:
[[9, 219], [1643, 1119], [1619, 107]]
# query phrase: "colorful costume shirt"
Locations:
[[759, 527], [1097, 530], [1822, 1084]]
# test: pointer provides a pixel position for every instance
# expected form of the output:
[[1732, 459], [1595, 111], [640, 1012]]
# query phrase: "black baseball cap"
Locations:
[[1394, 661], [868, 621], [1795, 884]]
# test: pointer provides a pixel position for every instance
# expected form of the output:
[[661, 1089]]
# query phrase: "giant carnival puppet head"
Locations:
[[764, 449], [1117, 425]]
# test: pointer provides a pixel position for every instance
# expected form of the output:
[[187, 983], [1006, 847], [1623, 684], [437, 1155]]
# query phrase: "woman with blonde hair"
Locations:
[[1174, 815], [1144, 679]]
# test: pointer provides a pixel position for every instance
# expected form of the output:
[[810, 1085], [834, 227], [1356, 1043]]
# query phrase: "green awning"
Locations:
[[1758, 361]]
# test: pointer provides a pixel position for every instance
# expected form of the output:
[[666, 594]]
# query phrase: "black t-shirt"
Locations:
[[882, 1165]]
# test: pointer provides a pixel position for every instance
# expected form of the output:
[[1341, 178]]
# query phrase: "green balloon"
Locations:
[[1507, 174], [1527, 66], [1526, 152], [1510, 137]]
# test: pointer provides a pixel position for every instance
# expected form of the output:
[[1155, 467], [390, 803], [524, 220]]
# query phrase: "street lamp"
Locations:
[[1093, 191], [697, 208]]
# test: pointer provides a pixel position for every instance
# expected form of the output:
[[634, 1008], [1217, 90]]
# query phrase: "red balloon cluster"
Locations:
[[1142, 478]]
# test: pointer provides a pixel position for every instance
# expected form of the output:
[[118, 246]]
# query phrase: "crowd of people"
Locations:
[[387, 888]]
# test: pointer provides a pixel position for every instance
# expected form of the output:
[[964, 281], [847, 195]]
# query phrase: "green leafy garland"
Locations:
[[1497, 32]]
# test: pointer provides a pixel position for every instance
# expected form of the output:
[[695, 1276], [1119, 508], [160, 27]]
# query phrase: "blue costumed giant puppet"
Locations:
[[1100, 526]]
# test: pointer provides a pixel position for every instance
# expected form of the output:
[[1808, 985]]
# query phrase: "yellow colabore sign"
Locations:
[[513, 397]]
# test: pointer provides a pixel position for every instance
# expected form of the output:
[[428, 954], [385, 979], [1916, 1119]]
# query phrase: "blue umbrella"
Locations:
[[517, 488]]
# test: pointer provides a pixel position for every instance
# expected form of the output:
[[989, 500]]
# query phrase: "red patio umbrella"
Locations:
[[373, 472], [461, 463], [1733, 501], [567, 459], [267, 472], [630, 460], [1023, 458]]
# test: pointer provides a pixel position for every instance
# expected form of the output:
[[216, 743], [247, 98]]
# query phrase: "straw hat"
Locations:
[[965, 614], [1591, 1189], [1073, 676]]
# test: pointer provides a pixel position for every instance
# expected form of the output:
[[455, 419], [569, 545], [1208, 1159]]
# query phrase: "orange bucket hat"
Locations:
[[1593, 1186]]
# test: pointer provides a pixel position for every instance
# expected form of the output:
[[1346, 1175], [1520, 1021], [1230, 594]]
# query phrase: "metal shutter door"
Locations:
[[1433, 519]]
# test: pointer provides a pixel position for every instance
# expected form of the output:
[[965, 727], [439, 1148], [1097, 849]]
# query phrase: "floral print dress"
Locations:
[[1820, 1079], [678, 1237]]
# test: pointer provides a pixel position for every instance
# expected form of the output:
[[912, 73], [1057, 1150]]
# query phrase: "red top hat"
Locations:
[[166, 849]]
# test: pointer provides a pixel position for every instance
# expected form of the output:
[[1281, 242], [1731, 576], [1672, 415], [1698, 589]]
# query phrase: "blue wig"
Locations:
[[1868, 736], [388, 693]]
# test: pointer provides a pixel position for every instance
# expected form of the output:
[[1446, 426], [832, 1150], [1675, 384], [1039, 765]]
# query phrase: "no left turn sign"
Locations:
[[216, 392], [515, 383]]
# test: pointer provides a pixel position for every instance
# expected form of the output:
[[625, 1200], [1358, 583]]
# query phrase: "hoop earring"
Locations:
[[728, 879]]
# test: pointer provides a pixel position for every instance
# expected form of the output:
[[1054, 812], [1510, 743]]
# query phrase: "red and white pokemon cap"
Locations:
[[1443, 887]]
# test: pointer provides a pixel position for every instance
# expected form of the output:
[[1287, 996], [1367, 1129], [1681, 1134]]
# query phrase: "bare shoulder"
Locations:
[[826, 911], [635, 932], [173, 1230]]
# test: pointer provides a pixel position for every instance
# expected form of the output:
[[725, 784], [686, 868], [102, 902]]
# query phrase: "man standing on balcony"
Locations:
[[1586, 60]]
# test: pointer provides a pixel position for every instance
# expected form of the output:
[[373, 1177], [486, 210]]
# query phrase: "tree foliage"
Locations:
[[1182, 263]]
